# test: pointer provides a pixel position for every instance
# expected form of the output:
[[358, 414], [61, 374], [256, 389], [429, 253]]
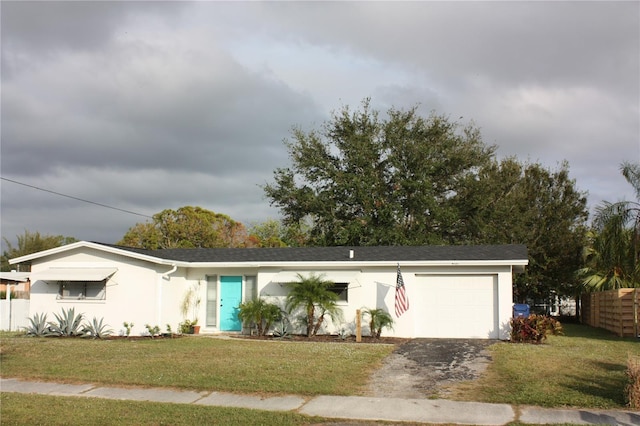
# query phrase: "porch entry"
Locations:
[[230, 298]]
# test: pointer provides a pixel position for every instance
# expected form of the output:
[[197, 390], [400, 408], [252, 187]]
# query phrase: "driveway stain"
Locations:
[[423, 368]]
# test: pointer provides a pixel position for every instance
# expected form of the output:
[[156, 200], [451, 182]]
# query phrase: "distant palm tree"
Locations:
[[612, 258], [314, 295]]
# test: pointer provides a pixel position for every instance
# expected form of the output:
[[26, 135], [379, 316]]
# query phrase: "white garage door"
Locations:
[[455, 306]]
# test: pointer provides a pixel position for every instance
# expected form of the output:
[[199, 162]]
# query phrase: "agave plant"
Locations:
[[68, 323], [38, 326], [96, 329]]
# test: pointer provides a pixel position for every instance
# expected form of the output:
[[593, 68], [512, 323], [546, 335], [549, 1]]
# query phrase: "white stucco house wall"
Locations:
[[453, 291]]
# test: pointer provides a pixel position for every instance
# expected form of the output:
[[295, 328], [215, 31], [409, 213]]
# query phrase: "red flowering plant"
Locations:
[[534, 328]]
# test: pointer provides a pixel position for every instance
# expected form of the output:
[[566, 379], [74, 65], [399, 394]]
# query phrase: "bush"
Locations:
[[153, 331], [186, 326], [259, 313], [632, 391], [534, 328]]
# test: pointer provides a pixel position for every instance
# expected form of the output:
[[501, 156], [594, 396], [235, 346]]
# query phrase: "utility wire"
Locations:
[[75, 198]]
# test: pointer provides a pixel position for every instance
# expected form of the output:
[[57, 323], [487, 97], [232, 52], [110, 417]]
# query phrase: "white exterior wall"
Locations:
[[133, 294], [375, 288]]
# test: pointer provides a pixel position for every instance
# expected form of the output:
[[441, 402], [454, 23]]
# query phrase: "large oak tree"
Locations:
[[403, 179], [367, 180]]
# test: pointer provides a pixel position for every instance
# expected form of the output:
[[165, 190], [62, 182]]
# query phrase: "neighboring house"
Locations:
[[454, 291], [14, 303], [17, 282]]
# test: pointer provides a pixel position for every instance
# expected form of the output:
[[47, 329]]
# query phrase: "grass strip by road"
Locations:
[[20, 409], [584, 368], [198, 363]]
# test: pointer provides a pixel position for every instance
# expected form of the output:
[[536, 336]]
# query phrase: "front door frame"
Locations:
[[229, 299]]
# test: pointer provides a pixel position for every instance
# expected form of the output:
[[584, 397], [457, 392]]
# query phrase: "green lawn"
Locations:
[[584, 368], [199, 363]]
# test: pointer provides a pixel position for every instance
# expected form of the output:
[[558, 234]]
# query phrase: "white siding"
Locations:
[[136, 293]]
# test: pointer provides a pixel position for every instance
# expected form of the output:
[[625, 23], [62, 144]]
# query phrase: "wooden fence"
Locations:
[[613, 310]]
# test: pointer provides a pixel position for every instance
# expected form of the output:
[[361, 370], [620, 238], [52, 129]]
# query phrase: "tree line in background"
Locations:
[[403, 179]]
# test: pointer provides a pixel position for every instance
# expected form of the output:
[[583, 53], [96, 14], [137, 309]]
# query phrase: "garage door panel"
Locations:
[[456, 306]]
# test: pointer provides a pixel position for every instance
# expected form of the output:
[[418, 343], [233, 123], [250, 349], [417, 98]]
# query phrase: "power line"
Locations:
[[75, 198]]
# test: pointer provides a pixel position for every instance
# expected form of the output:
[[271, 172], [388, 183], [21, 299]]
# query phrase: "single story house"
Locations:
[[453, 291]]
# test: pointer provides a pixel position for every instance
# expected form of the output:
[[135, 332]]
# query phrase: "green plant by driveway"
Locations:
[[534, 328], [378, 319]]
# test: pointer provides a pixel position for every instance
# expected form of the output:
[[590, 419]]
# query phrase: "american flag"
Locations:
[[402, 301]]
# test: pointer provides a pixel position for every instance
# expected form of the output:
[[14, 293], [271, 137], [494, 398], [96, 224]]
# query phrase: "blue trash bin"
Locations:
[[520, 310]]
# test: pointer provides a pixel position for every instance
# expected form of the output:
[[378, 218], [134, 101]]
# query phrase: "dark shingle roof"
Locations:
[[337, 254]]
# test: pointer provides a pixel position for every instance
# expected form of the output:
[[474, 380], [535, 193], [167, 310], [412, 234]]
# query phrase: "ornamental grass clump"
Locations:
[[632, 391], [534, 328]]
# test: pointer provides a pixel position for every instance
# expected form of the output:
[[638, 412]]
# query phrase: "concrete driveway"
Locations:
[[423, 368]]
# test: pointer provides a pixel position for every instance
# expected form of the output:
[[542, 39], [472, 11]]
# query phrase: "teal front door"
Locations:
[[230, 299]]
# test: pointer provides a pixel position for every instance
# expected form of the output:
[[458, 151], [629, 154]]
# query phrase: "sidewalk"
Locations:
[[342, 407]]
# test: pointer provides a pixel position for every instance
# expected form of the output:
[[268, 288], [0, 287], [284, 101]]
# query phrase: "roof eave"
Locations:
[[350, 264], [95, 246]]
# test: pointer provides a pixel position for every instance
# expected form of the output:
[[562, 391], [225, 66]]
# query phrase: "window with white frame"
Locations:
[[250, 288], [342, 290], [82, 290]]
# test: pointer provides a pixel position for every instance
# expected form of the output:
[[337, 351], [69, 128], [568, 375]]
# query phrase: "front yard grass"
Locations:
[[584, 368], [198, 363]]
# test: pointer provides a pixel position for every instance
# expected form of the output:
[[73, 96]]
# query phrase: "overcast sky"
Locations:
[[146, 106]]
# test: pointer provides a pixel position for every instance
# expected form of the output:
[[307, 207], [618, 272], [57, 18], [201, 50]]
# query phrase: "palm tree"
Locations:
[[314, 295], [378, 319], [260, 313], [612, 257]]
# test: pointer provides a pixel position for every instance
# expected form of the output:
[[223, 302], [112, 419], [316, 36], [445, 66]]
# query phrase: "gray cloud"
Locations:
[[51, 26], [148, 106]]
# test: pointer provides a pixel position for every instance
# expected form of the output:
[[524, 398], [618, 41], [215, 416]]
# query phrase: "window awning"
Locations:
[[73, 274], [350, 277]]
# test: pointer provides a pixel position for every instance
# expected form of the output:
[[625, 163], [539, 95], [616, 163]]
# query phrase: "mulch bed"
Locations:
[[326, 338]]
